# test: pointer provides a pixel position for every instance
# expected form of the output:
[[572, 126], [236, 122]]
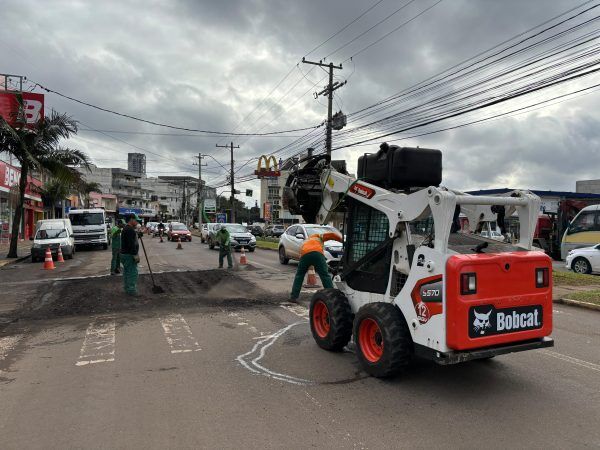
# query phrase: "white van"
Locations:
[[53, 233], [89, 227]]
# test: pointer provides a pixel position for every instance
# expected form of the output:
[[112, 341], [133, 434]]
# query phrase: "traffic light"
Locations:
[[248, 192]]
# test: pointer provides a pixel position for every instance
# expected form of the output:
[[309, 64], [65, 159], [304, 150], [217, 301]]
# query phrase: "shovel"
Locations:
[[156, 289]]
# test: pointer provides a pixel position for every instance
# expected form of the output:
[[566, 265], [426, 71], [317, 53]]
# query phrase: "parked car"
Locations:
[[240, 236], [53, 234], [274, 230], [256, 230], [584, 260], [177, 230], [206, 229], [150, 227], [291, 241]]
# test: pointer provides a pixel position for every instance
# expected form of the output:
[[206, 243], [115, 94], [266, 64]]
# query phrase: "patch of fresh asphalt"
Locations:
[[139, 394]]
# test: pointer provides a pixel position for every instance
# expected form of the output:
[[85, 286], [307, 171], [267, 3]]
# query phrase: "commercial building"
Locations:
[[588, 186], [33, 209], [136, 163]]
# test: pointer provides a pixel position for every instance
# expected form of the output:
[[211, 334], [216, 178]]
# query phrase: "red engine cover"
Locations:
[[506, 307]]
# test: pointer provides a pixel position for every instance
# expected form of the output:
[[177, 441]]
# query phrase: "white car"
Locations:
[[584, 260], [205, 230], [291, 241]]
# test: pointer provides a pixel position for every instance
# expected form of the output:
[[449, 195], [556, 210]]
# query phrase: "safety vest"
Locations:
[[315, 242]]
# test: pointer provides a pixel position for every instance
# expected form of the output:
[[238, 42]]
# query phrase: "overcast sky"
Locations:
[[207, 64]]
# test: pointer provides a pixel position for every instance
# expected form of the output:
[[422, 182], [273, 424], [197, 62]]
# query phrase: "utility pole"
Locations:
[[231, 181], [329, 89], [200, 197]]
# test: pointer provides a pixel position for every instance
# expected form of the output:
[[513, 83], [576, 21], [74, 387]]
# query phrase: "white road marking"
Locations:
[[299, 310], [179, 335], [266, 266], [99, 343], [570, 359], [259, 349]]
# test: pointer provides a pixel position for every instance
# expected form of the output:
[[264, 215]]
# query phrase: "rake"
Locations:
[[156, 289]]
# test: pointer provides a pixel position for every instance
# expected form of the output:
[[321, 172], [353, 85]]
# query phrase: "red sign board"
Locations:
[[9, 177], [362, 190], [32, 112]]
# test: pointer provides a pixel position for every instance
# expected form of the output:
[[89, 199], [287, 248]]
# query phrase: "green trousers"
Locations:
[[225, 251], [115, 263], [130, 274], [316, 259]]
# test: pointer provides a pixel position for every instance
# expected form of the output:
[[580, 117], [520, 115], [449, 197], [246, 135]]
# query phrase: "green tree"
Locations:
[[84, 189], [53, 191], [40, 150]]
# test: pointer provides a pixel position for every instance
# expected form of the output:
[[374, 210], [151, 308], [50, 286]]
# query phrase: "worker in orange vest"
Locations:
[[311, 254]]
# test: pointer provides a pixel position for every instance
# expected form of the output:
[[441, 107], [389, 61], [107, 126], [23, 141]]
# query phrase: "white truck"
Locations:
[[89, 227]]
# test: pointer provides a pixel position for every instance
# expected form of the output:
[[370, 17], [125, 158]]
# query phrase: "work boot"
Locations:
[[293, 300]]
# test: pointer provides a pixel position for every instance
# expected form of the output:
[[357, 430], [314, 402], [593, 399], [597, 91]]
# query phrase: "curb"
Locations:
[[585, 305], [13, 261]]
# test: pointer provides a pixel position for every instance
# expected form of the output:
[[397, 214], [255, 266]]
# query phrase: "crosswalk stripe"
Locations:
[[178, 334], [99, 342]]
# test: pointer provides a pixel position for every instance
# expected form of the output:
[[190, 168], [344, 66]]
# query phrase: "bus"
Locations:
[[582, 231]]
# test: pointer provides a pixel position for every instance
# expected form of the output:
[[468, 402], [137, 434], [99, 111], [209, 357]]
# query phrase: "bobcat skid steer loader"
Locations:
[[410, 285]]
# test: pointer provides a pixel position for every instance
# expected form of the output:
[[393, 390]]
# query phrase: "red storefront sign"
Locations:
[[32, 112], [9, 177]]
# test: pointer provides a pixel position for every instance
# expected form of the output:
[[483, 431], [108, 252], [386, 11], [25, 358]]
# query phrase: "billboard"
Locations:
[[31, 113], [270, 170], [210, 206], [267, 211], [221, 218]]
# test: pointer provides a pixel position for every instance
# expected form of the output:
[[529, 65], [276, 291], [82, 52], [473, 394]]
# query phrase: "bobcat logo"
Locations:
[[481, 322]]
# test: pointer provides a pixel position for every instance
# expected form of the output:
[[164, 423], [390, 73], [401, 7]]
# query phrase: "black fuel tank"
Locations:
[[396, 167]]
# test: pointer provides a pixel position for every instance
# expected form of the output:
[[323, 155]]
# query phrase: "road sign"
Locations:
[[222, 218], [267, 211], [210, 205]]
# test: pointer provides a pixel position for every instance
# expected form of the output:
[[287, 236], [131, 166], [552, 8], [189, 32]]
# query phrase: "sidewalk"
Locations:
[[23, 250]]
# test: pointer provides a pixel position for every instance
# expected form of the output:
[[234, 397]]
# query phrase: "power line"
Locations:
[[221, 133]]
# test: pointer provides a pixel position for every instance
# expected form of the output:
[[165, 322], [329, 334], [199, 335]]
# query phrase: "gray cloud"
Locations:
[[207, 64]]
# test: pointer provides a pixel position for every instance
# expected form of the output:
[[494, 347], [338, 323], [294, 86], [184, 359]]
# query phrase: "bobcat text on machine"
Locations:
[[410, 284]]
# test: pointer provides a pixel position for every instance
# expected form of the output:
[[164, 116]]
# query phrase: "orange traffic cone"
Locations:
[[243, 260], [48, 263], [59, 257], [179, 247], [311, 279]]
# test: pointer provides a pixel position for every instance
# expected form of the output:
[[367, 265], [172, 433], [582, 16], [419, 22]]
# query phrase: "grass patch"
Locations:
[[267, 243], [586, 296], [574, 279]]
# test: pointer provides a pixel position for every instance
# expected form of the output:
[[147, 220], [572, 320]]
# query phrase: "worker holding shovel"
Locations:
[[130, 248]]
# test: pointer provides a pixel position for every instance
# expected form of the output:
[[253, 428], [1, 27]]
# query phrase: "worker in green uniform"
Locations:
[[130, 247], [115, 236], [224, 240]]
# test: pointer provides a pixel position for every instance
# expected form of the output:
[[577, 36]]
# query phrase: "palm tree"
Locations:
[[53, 191], [39, 150], [85, 188]]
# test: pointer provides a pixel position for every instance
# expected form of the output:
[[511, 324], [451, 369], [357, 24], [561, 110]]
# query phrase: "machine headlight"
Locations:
[[252, 239]]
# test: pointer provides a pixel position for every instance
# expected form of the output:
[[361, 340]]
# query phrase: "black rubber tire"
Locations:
[[33, 260], [251, 249], [283, 259], [340, 319], [104, 246], [584, 262], [398, 346], [210, 244]]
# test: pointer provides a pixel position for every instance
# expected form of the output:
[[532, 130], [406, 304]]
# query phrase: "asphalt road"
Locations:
[[196, 373]]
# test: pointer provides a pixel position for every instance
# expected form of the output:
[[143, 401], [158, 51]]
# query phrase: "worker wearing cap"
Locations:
[[224, 239], [129, 254], [115, 236], [311, 254]]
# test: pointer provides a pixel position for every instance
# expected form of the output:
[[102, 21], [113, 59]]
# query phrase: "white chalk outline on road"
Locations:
[[179, 334], [261, 347], [99, 342], [294, 308], [570, 359]]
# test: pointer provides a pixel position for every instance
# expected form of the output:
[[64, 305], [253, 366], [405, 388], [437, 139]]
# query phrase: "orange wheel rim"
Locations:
[[370, 340], [321, 319]]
